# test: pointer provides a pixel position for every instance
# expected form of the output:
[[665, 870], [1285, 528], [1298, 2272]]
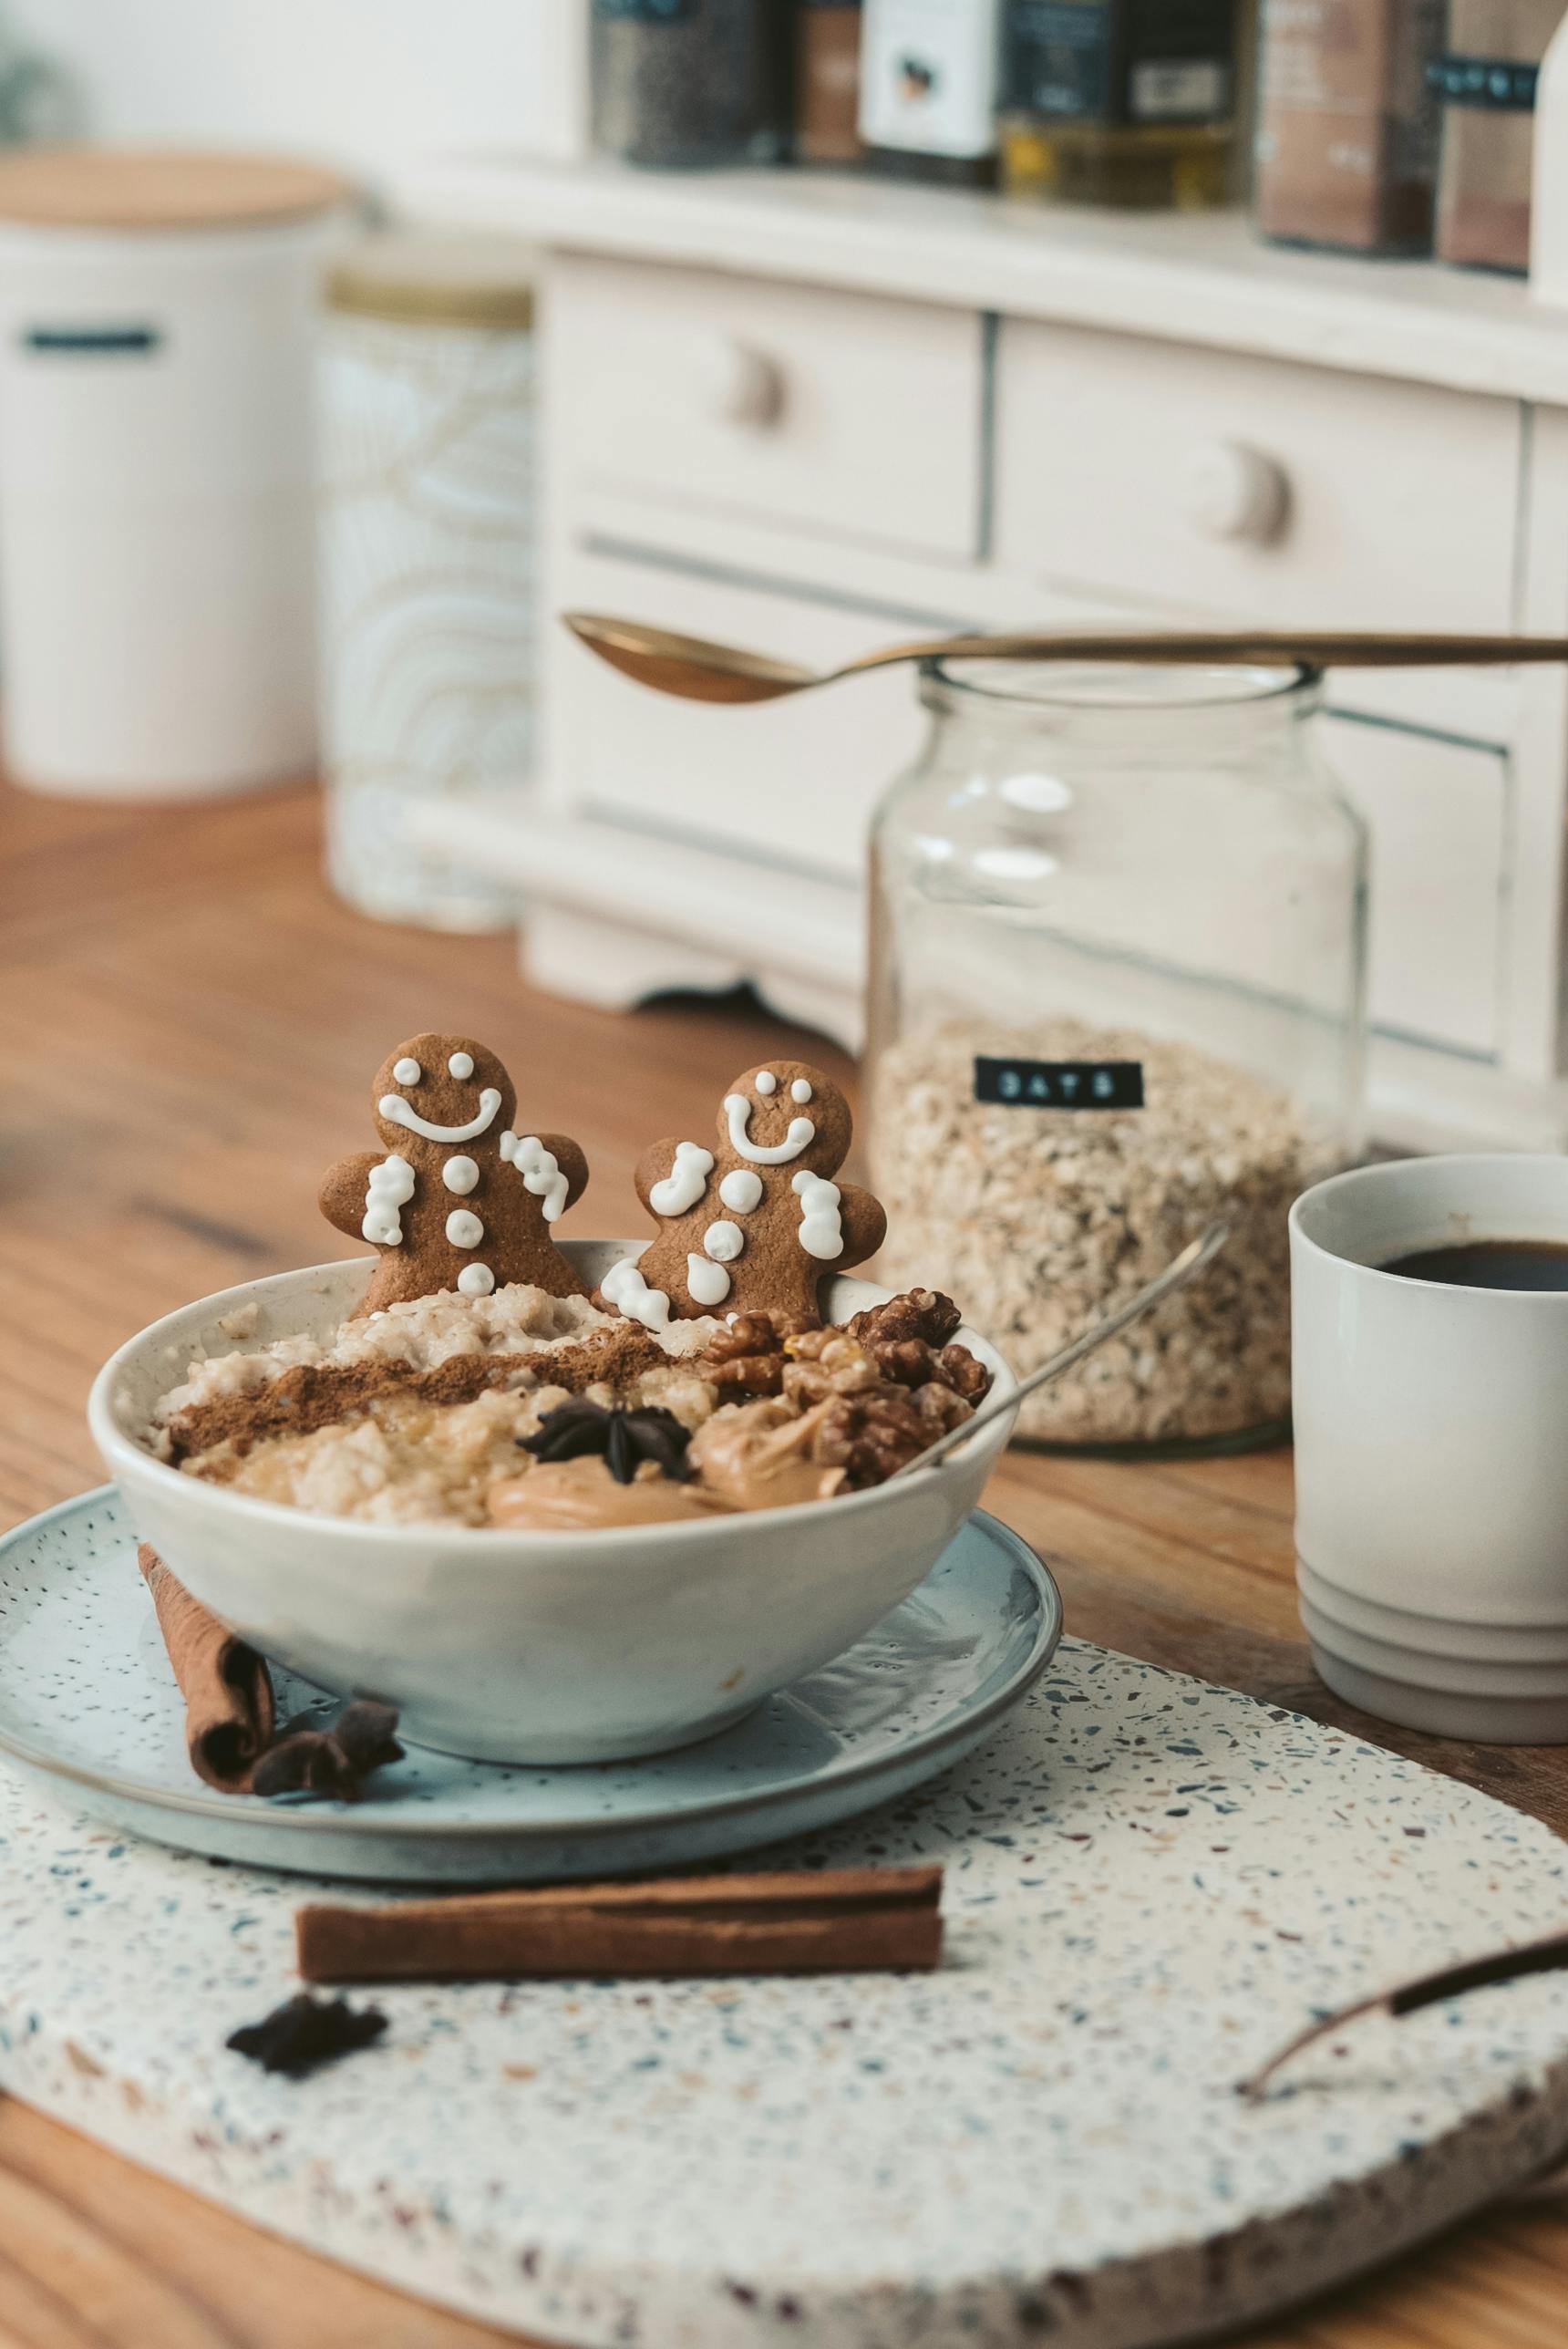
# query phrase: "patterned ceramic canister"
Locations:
[[428, 614]]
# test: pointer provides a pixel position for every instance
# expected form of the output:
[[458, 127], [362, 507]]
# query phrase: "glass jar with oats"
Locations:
[[1117, 989]]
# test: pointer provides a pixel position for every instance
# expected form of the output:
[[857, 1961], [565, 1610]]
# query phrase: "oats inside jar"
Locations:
[[528, 1411]]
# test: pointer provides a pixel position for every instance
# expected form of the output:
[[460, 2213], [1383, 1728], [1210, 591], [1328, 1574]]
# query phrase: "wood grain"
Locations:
[[189, 1027]]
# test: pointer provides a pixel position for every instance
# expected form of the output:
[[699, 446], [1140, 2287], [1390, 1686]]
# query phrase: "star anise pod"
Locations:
[[624, 1439], [307, 1760], [304, 2032]]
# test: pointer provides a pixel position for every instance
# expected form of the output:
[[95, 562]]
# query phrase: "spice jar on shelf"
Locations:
[[828, 82], [1346, 151], [1117, 969], [928, 88], [1486, 83], [675, 84], [1118, 102]]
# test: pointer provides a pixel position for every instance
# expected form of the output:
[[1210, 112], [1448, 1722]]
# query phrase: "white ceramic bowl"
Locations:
[[525, 1646]]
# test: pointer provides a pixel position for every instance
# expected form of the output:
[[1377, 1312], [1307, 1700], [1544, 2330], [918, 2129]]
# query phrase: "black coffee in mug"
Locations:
[[1488, 1264]]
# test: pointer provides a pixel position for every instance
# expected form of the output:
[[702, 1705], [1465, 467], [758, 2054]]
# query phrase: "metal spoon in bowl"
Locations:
[[1180, 1269], [696, 668]]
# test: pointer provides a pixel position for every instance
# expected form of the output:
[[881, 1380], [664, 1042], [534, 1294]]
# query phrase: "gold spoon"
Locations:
[[1194, 1256], [698, 669]]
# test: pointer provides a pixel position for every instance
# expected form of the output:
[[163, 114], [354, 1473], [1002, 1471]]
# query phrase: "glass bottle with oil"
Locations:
[[1120, 102]]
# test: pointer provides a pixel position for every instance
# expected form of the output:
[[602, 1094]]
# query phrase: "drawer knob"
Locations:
[[1230, 490], [739, 384]]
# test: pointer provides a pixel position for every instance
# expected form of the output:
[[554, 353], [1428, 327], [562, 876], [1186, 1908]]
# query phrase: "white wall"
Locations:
[[367, 83]]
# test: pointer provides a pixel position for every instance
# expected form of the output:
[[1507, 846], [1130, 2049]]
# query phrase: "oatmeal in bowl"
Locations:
[[523, 1410], [560, 1500], [598, 1629]]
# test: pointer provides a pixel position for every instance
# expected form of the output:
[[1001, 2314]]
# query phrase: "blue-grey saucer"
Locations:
[[87, 1697]]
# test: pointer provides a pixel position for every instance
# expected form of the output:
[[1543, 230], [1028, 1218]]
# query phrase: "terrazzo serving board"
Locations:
[[1150, 1882]]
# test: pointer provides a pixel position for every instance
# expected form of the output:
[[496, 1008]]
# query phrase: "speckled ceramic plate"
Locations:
[[87, 1695]]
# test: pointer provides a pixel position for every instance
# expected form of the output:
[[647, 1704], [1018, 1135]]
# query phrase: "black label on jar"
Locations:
[[1498, 82], [1059, 1085], [645, 12]]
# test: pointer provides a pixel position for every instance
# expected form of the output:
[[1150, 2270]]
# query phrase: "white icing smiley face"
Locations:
[[398, 1111], [737, 1110]]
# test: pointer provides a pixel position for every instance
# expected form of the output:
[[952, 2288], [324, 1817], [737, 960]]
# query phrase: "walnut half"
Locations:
[[903, 1337]]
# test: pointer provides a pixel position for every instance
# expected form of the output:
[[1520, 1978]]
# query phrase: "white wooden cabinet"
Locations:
[[812, 415], [778, 403], [1214, 481]]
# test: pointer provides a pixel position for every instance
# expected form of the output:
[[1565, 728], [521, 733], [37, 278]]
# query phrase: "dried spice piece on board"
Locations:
[[334, 1761], [304, 2032], [226, 1686], [826, 1921]]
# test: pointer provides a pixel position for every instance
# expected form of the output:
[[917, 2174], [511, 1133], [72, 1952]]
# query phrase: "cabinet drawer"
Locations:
[[1248, 486], [794, 783], [841, 413], [1438, 814]]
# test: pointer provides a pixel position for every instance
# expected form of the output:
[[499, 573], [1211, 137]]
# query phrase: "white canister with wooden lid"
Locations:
[[428, 565], [156, 478]]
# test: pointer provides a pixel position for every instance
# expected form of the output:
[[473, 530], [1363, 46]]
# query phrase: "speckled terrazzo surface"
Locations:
[[1149, 1882]]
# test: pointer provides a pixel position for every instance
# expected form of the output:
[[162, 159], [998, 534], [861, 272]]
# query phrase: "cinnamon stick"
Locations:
[[227, 1688], [1547, 1956], [849, 1921]]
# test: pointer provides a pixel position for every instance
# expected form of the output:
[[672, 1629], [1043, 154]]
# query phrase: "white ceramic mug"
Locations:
[[1432, 1430]]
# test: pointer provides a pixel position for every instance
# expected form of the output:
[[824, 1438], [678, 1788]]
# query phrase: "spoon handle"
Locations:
[[1315, 648], [1180, 1269]]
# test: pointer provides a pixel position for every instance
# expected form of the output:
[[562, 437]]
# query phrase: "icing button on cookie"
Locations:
[[740, 1190], [476, 1280], [460, 1175], [464, 1228], [708, 1283]]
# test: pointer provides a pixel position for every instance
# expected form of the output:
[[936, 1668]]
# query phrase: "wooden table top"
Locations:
[[188, 1022]]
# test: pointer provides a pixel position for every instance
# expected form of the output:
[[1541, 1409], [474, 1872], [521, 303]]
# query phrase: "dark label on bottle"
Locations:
[[1121, 61], [1059, 1085], [1497, 82], [645, 12], [1057, 57]]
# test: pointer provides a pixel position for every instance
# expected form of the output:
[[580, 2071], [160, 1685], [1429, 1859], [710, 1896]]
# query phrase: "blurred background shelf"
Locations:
[[1192, 277], [813, 413]]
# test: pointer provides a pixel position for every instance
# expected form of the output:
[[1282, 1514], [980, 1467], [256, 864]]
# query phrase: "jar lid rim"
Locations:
[[1070, 685]]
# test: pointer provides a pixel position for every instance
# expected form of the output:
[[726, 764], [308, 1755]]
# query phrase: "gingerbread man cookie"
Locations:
[[751, 1226], [457, 1199]]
